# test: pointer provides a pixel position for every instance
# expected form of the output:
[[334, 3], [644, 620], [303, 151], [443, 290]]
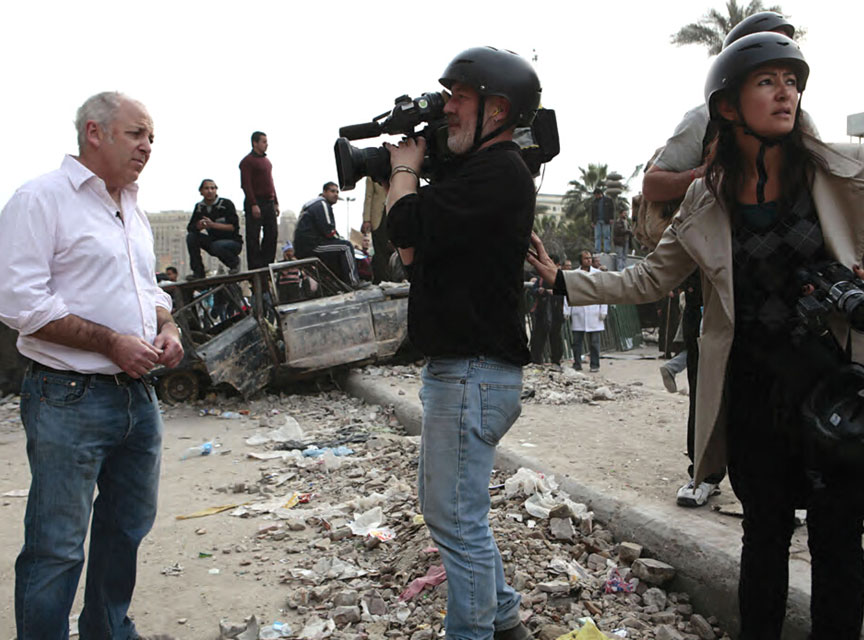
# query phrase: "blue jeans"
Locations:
[[621, 256], [227, 251], [84, 432], [602, 237], [468, 405]]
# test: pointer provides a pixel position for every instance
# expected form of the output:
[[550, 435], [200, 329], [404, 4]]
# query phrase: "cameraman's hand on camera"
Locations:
[[408, 153], [859, 272], [406, 158]]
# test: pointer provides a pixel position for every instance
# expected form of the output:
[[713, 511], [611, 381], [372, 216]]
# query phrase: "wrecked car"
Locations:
[[276, 324]]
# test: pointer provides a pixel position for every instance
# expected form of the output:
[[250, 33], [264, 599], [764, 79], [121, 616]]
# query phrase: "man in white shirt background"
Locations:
[[586, 321], [77, 256]]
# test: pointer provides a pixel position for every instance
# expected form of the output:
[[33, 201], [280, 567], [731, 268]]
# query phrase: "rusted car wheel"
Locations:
[[180, 386]]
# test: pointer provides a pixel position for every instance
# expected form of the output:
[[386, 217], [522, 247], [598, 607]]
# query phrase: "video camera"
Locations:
[[539, 142], [836, 288]]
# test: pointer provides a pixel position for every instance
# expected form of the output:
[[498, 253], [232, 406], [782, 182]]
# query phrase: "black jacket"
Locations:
[[222, 211], [470, 232], [316, 226]]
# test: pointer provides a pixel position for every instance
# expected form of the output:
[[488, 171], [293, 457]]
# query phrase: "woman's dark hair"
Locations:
[[725, 173]]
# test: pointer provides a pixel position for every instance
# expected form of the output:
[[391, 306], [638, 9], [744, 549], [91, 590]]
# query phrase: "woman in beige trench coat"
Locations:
[[773, 201]]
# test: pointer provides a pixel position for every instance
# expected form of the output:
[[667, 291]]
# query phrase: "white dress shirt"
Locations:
[[588, 317], [65, 250]]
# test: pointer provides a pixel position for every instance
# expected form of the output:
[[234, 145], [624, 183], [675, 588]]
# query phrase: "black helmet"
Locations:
[[758, 22], [744, 55], [834, 416], [497, 72]]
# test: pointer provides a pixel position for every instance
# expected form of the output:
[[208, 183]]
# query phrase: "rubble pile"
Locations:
[[565, 386], [544, 384], [334, 509]]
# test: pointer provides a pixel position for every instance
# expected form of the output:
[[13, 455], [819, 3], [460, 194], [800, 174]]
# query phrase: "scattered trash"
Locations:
[[434, 576], [203, 449], [214, 571], [615, 583], [289, 431], [207, 512], [173, 571], [314, 452], [230, 415], [17, 493], [275, 630]]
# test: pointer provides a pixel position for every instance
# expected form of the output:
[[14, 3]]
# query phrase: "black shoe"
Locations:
[[194, 276], [519, 632]]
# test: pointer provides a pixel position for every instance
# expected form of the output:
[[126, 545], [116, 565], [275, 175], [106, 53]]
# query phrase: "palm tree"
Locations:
[[577, 200], [713, 27]]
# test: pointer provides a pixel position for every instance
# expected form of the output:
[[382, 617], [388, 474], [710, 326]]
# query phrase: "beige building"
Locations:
[[169, 241], [549, 204]]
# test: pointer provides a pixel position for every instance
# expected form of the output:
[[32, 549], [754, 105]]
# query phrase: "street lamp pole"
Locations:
[[348, 201]]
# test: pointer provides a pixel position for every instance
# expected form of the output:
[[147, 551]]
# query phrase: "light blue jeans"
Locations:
[[602, 237], [468, 405], [84, 432]]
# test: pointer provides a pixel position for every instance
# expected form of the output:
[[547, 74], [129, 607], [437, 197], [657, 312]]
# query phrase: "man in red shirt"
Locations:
[[260, 205]]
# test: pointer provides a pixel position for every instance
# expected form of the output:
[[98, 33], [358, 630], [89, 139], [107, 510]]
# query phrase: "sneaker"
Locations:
[[594, 369], [194, 276], [692, 496], [668, 380], [233, 270], [519, 632]]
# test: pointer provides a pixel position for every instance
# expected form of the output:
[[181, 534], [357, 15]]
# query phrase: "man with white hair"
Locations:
[[77, 256]]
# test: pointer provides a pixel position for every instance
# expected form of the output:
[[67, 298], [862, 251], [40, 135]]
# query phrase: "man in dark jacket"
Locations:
[[464, 238], [602, 214], [316, 236], [215, 228]]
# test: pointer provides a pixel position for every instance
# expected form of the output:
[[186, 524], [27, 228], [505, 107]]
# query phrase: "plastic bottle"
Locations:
[[204, 449]]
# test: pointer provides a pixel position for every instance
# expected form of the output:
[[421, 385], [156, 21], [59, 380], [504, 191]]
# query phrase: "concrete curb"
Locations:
[[704, 553]]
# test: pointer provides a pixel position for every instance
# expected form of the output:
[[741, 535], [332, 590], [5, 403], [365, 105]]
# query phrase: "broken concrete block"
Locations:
[[561, 529], [702, 628], [667, 632], [653, 571], [655, 597], [345, 615], [555, 587], [346, 599], [664, 617], [629, 552]]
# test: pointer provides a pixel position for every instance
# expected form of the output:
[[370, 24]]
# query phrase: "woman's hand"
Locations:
[[540, 260]]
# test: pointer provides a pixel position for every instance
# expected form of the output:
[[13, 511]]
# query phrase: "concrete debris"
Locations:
[[628, 552], [543, 385], [653, 571], [310, 523]]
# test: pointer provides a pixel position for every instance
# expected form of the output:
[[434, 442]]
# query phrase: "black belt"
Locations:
[[121, 379]]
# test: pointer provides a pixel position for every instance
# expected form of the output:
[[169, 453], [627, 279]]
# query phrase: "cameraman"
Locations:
[[464, 240]]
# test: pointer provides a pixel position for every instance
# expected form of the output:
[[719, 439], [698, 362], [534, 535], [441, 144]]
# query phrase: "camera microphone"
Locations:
[[360, 131]]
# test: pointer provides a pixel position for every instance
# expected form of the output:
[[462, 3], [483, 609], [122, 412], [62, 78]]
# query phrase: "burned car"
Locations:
[[276, 324]]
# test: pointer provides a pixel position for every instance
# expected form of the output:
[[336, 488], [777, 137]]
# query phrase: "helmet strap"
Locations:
[[766, 142], [479, 138]]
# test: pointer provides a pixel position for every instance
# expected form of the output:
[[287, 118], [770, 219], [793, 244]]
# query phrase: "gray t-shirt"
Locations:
[[683, 150]]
